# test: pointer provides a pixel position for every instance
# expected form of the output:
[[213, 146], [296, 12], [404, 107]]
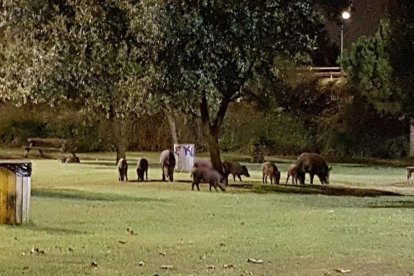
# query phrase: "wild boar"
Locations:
[[312, 163], [122, 170], [235, 169], [270, 170], [203, 164], [142, 167], [207, 175], [292, 172], [410, 180], [167, 161], [72, 159]]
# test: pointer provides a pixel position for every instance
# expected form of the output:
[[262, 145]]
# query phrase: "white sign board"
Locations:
[[184, 155]]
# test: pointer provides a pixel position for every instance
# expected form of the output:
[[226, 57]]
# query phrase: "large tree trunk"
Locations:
[[212, 129], [118, 140], [117, 135], [412, 139], [173, 127], [214, 150]]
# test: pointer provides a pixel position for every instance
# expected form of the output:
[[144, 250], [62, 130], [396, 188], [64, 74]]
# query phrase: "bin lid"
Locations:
[[20, 167]]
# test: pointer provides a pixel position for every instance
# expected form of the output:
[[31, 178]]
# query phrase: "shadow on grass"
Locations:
[[84, 195], [315, 189], [393, 204], [53, 230], [106, 163]]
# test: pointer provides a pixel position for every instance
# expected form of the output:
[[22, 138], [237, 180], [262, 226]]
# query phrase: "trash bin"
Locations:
[[15, 186], [184, 155]]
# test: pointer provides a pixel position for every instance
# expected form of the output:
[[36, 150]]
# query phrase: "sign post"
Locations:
[[185, 155]]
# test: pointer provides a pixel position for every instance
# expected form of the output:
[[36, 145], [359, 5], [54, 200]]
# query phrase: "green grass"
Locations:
[[80, 214]]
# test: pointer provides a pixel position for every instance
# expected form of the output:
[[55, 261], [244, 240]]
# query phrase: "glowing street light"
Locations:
[[346, 14]]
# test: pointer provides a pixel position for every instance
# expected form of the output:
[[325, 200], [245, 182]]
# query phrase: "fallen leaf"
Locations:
[[36, 250], [228, 266], [341, 270], [163, 254], [131, 231], [254, 261]]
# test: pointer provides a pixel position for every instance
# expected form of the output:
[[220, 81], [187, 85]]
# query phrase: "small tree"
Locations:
[[207, 54], [369, 71]]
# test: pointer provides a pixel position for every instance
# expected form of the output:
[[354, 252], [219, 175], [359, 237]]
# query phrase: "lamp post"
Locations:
[[345, 15]]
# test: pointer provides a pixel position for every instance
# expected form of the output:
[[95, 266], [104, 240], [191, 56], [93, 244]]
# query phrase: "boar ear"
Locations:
[[330, 168]]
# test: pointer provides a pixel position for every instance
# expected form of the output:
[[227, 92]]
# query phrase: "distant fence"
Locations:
[[327, 72], [324, 72]]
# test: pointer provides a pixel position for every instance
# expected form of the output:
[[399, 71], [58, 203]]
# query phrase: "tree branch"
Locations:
[[218, 121]]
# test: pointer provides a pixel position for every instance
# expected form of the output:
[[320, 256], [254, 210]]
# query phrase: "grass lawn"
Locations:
[[87, 223]]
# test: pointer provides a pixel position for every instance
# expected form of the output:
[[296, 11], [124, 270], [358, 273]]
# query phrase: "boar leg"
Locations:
[[311, 178]]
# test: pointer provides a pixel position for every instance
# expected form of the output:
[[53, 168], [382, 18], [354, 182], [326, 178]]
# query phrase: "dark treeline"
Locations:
[[344, 129]]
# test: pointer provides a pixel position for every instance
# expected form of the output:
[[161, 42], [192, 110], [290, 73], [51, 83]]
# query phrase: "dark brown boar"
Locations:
[[235, 169], [270, 170], [203, 164], [292, 172], [314, 164], [167, 161], [207, 175], [122, 170], [142, 168]]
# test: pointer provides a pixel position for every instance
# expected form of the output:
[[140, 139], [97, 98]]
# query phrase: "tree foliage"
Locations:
[[210, 53], [369, 71], [82, 51]]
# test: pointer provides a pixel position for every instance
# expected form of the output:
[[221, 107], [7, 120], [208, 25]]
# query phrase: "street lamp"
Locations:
[[345, 15]]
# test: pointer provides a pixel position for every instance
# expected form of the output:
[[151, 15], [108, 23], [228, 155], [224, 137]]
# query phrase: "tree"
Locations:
[[401, 51], [207, 54], [369, 71], [85, 53]]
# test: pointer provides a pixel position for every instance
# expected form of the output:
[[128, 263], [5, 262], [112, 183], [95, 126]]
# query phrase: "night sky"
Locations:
[[365, 18]]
